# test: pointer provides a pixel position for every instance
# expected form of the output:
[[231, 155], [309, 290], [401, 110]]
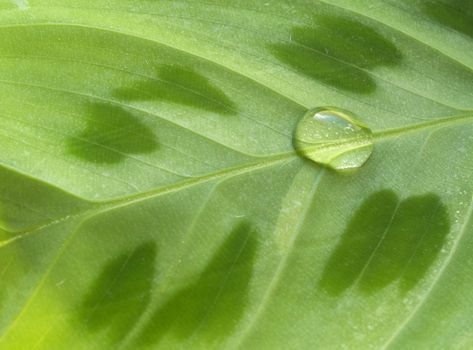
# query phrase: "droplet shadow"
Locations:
[[210, 307], [338, 51], [387, 240], [182, 86]]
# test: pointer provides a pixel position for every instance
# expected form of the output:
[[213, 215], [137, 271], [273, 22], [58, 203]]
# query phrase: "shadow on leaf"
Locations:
[[339, 52], [210, 307], [179, 85], [387, 240], [120, 294], [112, 133], [457, 14]]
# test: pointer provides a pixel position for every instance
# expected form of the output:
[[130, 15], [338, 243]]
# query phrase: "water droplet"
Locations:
[[333, 137]]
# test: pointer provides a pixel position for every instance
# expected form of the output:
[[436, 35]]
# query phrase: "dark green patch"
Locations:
[[385, 241], [432, 226], [179, 85], [456, 14], [120, 293], [210, 308], [112, 133], [338, 51], [358, 242]]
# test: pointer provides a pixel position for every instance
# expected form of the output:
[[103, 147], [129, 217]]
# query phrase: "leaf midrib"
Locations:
[[271, 160], [101, 207]]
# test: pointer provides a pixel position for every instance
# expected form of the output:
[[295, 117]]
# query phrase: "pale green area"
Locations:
[[151, 196]]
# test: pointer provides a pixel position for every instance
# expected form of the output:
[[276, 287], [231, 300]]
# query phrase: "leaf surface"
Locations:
[[151, 196]]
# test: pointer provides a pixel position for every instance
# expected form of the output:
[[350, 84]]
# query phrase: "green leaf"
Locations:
[[151, 196]]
